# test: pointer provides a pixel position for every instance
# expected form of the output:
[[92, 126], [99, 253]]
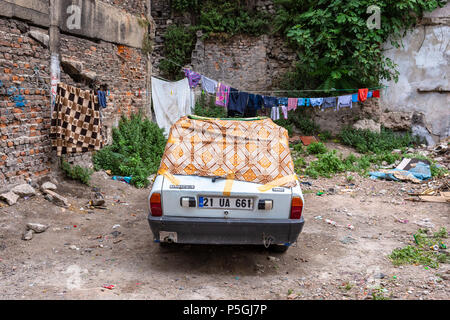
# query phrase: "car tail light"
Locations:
[[296, 208], [155, 205]]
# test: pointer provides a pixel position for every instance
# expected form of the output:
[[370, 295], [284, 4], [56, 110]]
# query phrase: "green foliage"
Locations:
[[206, 107], [325, 135], [367, 141], [179, 41], [316, 148], [230, 18], [326, 165], [300, 120], [287, 124], [335, 47], [299, 147], [421, 252], [136, 151], [76, 172]]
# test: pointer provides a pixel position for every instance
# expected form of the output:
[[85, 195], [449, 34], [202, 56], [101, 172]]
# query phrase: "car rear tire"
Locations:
[[278, 248]]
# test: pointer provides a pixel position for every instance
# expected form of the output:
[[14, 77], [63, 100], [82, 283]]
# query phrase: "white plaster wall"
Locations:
[[423, 63]]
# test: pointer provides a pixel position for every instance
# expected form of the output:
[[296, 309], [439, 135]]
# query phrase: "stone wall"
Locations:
[[247, 63], [423, 88]]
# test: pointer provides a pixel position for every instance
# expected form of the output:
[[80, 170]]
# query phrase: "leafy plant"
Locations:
[[136, 151], [422, 252], [76, 172], [365, 141], [335, 47], [316, 148], [179, 41]]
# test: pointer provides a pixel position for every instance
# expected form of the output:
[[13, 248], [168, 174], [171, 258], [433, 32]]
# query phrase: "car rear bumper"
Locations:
[[226, 231]]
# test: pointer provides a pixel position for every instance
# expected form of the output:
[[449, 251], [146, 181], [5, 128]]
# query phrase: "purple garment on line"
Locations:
[[222, 95], [193, 77]]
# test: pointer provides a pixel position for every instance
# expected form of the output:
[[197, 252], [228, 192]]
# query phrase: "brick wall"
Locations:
[[121, 69], [24, 105], [25, 147]]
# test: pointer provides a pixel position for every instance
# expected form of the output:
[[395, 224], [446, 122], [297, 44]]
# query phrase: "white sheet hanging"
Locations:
[[171, 101]]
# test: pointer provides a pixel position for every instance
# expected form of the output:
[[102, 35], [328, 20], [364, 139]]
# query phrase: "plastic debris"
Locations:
[[121, 178], [350, 226], [320, 193], [110, 287], [331, 222]]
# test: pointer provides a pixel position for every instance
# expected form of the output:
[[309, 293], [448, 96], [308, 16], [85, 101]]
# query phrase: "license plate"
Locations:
[[225, 203]]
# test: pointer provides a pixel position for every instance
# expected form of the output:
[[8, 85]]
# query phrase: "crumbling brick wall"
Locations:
[[24, 104], [120, 69], [25, 108]]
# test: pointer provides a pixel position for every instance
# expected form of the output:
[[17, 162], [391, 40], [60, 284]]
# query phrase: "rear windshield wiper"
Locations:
[[217, 177]]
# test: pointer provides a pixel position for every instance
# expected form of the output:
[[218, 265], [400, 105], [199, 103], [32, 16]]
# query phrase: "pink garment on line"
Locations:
[[222, 95], [292, 104]]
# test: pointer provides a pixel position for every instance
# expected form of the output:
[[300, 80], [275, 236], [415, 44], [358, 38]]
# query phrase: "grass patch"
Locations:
[[76, 172], [422, 252], [136, 151]]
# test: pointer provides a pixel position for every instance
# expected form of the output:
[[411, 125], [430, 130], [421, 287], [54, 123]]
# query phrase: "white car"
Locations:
[[195, 210]]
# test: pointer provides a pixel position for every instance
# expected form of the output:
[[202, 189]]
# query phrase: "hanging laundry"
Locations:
[[209, 85], [301, 102], [76, 123], [171, 101], [222, 95], [369, 94], [316, 102], [255, 102], [284, 109], [307, 102], [101, 98], [329, 102], [238, 101], [355, 97], [193, 77], [362, 94], [269, 102], [275, 113], [376, 94], [292, 104], [283, 101], [344, 101]]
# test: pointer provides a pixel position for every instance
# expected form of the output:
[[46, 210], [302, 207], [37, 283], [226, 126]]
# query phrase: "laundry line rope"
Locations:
[[280, 91]]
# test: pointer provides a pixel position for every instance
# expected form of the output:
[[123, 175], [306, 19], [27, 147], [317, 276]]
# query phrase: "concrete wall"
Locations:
[[423, 86]]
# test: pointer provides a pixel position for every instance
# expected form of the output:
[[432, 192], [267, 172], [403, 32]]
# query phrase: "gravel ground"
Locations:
[[85, 250]]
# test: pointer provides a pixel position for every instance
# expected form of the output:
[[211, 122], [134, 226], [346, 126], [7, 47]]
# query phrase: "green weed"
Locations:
[[421, 252], [76, 172], [316, 148], [136, 151]]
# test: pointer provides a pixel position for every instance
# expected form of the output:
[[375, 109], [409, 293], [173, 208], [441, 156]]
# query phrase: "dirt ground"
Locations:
[[85, 249]]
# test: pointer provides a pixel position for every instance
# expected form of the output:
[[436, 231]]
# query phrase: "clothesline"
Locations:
[[278, 90]]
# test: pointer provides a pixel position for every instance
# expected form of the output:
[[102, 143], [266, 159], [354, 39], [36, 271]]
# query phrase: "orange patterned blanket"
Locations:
[[254, 151]]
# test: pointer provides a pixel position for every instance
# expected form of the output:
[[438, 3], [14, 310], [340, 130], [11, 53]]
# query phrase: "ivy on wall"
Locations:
[[334, 44]]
